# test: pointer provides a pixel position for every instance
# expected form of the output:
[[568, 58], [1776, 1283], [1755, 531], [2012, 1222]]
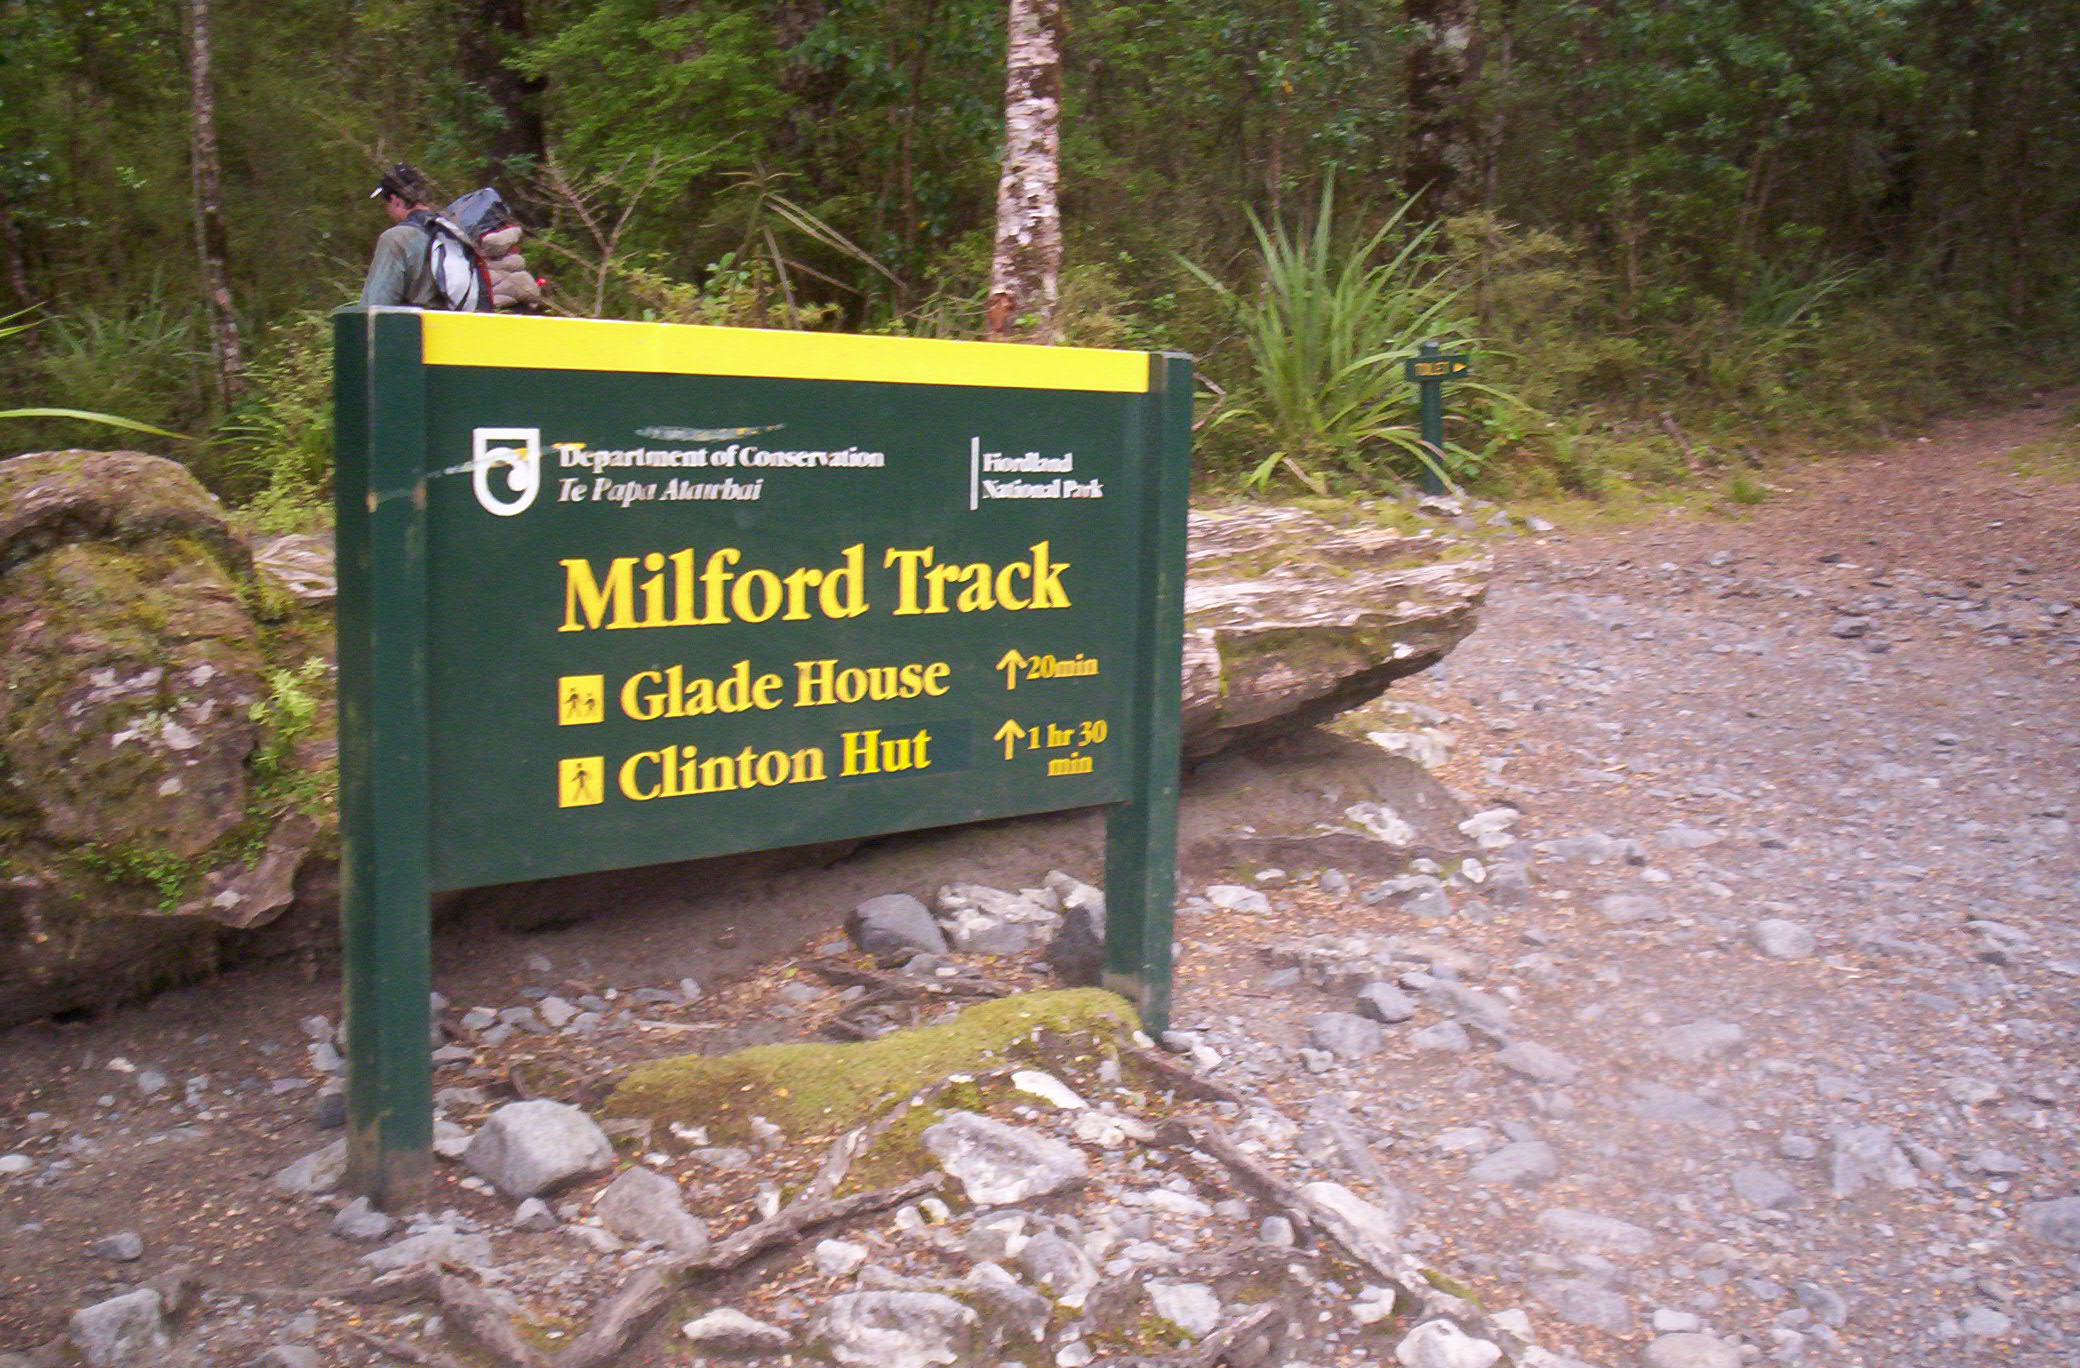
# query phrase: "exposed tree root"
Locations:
[[409, 1353], [1402, 1272], [629, 1311], [1197, 1086], [482, 1318]]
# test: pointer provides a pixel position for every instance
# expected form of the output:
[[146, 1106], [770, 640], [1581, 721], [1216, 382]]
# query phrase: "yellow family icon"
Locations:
[[581, 782], [581, 698]]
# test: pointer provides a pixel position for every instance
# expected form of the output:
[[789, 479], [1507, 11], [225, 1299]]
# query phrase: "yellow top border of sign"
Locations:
[[592, 344]]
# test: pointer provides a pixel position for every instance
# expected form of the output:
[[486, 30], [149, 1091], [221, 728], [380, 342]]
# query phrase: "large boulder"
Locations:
[[148, 803], [1290, 619]]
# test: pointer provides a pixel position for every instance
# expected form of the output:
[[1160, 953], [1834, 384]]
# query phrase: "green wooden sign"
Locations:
[[1419, 368], [615, 594]]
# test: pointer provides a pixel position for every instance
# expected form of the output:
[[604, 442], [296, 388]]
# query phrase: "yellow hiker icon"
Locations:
[[581, 698], [582, 781]]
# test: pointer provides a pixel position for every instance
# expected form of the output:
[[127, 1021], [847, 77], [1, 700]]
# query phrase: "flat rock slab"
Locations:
[[998, 1164], [1621, 908], [1766, 1188], [1290, 618], [642, 1204], [1655, 1102], [1784, 940], [895, 926], [1385, 1002], [1441, 1344], [320, 1171], [1581, 1302], [1690, 1351], [1524, 1163], [1345, 1034], [525, 1149], [430, 1247], [2054, 1222], [1860, 1156], [1359, 1224], [1603, 1234], [123, 1332], [726, 1330], [897, 1330], [1191, 1307], [1697, 1041], [1539, 1063]]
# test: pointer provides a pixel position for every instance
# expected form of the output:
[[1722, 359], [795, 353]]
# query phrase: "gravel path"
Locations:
[[1789, 1007], [1748, 1036]]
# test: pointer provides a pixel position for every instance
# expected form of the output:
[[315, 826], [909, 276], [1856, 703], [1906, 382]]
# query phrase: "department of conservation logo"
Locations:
[[518, 452]]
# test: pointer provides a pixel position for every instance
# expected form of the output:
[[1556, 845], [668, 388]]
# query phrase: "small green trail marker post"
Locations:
[[615, 594], [1429, 369]]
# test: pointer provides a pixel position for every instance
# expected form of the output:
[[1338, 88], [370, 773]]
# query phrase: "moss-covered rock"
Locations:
[[1291, 619], [127, 498], [150, 792], [128, 677], [818, 1089]]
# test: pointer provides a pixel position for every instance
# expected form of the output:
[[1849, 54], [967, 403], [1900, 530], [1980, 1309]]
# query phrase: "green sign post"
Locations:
[[615, 594], [1429, 369]]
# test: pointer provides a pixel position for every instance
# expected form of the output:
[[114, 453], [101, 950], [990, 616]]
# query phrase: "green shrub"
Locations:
[[1745, 489], [142, 370], [1326, 333], [273, 454]]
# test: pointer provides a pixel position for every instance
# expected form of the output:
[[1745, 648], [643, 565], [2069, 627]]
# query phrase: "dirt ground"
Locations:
[[1862, 690]]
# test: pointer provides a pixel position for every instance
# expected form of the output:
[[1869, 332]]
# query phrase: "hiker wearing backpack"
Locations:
[[423, 261]]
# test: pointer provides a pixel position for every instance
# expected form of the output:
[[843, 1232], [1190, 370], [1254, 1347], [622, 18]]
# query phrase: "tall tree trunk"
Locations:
[[488, 31], [1442, 137], [212, 243], [920, 62], [1025, 274], [1498, 108], [11, 261]]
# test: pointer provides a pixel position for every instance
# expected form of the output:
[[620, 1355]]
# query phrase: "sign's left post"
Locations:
[[379, 491]]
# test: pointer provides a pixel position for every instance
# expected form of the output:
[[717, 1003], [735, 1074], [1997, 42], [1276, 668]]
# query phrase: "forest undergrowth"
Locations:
[[1679, 240], [1575, 400]]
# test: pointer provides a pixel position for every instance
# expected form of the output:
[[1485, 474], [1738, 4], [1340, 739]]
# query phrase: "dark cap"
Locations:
[[404, 181]]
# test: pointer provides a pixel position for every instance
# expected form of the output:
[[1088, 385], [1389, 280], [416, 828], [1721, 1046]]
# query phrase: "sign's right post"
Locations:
[[1141, 833]]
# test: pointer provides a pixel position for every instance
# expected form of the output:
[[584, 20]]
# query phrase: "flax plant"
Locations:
[[20, 322], [1327, 332]]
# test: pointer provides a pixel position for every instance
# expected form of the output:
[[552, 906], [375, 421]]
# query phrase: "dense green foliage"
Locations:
[[1323, 331], [1721, 221]]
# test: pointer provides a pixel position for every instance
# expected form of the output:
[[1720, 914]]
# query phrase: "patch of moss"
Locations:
[[898, 1152], [1451, 1286], [1147, 1334], [1350, 651], [2056, 458], [1328, 507], [823, 1089], [547, 1332], [1745, 489], [167, 874], [294, 702]]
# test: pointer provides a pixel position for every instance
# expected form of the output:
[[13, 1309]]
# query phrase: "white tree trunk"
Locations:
[[211, 240], [1024, 273]]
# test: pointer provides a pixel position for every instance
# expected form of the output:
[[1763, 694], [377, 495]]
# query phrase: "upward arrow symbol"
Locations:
[[1011, 662], [1010, 734]]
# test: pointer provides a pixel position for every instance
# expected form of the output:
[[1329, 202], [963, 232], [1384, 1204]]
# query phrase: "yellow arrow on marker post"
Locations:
[[1011, 663], [1010, 734]]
